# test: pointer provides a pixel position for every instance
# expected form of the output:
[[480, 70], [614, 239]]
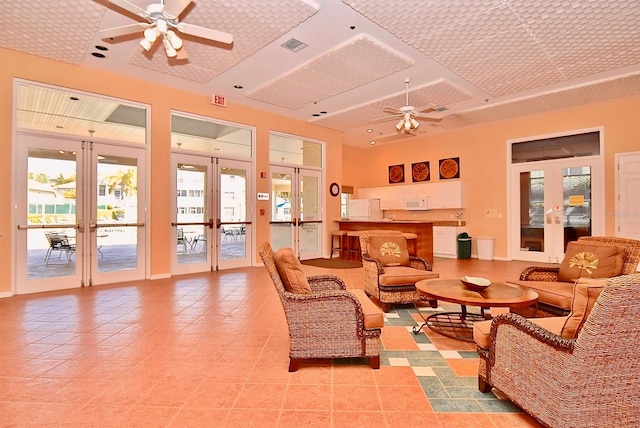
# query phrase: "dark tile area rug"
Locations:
[[331, 263]]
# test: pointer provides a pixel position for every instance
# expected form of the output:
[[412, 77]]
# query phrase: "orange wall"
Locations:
[[483, 160], [161, 99]]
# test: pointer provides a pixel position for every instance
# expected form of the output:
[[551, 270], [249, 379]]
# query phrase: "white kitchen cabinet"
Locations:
[[445, 240], [442, 194], [445, 195]]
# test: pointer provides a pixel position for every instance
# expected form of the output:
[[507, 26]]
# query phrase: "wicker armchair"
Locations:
[[590, 381], [395, 285], [550, 273], [331, 322]]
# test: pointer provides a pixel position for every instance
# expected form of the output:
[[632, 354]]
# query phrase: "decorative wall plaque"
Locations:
[[449, 168], [396, 174], [420, 171]]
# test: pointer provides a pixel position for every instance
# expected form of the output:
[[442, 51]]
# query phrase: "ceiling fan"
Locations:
[[162, 22], [407, 114]]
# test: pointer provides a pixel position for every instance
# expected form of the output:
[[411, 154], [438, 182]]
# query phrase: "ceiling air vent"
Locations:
[[294, 45]]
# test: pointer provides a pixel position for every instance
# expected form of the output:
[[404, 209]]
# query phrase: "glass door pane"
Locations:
[[83, 214], [116, 230], [282, 219], [203, 186], [555, 205], [532, 211], [310, 215], [576, 185], [192, 184], [296, 211], [48, 249], [234, 213]]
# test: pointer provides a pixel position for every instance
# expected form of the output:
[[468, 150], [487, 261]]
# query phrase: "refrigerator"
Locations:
[[364, 210]]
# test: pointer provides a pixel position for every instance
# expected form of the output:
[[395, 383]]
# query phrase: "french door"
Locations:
[[296, 214], [553, 203], [212, 205], [80, 213]]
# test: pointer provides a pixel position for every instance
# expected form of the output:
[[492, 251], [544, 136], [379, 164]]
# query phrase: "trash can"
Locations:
[[464, 246], [485, 248]]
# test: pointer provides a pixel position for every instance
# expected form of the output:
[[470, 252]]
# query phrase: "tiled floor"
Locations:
[[211, 350]]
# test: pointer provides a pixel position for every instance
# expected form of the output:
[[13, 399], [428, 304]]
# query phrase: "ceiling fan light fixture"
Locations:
[[170, 51], [150, 35], [176, 42], [400, 124], [414, 123], [146, 44]]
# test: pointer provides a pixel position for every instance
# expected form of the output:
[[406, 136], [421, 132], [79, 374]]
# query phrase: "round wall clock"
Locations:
[[334, 189]]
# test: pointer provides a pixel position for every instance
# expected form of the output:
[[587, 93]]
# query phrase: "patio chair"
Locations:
[[60, 243], [182, 240], [200, 238]]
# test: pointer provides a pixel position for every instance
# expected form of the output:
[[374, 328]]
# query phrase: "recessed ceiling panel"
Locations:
[[253, 25], [361, 60], [28, 26], [510, 46], [576, 96], [440, 93]]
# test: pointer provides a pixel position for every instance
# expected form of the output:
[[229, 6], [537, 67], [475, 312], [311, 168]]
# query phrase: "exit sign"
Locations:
[[219, 100]]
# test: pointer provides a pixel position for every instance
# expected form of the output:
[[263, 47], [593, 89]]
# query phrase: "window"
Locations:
[[285, 149], [562, 147]]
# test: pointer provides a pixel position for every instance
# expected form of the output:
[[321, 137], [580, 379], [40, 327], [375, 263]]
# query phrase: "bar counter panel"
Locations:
[[424, 230]]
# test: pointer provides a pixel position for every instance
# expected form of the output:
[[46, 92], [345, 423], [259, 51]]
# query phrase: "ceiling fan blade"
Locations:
[[122, 31], [428, 110], [385, 118], [428, 118], [176, 7], [124, 4], [205, 33], [391, 110]]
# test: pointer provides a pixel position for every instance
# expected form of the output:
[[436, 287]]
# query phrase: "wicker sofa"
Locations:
[[327, 321], [391, 284], [555, 295], [591, 380]]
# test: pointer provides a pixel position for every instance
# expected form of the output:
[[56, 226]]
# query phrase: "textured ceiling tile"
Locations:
[[253, 25], [359, 61], [60, 33], [510, 46], [158, 61], [585, 37], [576, 96]]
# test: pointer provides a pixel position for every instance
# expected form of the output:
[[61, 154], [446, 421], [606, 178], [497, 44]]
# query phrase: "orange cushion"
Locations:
[[291, 273], [481, 329], [610, 261], [373, 317], [551, 292], [403, 275], [390, 250], [585, 294]]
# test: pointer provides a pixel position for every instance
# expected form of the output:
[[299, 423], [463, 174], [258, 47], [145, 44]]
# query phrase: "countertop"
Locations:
[[453, 223]]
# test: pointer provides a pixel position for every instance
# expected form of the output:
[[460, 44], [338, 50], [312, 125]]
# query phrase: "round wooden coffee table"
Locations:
[[459, 325]]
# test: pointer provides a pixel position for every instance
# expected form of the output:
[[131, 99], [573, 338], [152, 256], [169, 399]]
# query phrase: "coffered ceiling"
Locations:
[[477, 61]]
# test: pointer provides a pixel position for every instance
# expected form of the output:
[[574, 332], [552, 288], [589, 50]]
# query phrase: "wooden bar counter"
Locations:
[[424, 230]]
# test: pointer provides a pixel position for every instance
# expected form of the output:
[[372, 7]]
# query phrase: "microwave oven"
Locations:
[[416, 203]]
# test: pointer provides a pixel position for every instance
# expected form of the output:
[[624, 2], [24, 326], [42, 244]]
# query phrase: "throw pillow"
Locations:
[[291, 273], [585, 294], [610, 261], [390, 250]]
